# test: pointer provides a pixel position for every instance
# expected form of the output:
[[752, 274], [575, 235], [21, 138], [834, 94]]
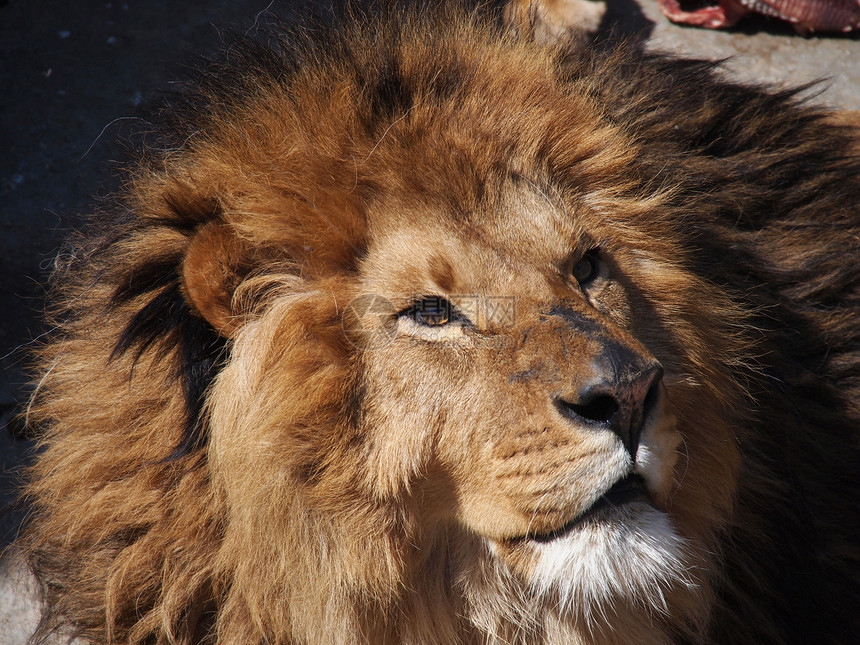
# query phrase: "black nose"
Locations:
[[618, 399]]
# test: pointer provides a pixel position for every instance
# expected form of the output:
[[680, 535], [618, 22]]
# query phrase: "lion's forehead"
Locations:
[[514, 244]]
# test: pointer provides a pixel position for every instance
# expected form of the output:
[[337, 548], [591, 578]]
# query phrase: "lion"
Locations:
[[417, 328]]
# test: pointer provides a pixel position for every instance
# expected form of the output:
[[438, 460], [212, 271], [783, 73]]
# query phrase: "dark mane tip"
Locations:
[[156, 273], [167, 326]]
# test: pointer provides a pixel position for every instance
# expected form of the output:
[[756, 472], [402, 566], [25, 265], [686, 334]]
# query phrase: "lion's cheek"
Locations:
[[512, 482]]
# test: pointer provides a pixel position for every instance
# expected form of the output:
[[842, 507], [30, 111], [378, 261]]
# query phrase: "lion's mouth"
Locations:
[[629, 489]]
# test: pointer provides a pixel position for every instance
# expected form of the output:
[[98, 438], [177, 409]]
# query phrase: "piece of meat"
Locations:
[[807, 16]]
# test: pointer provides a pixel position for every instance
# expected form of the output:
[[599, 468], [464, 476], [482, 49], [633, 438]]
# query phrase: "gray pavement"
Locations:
[[763, 51]]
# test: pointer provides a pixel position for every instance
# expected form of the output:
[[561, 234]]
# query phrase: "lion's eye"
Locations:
[[586, 269], [432, 311]]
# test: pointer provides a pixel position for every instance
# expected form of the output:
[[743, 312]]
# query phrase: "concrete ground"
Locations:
[[759, 50], [72, 75]]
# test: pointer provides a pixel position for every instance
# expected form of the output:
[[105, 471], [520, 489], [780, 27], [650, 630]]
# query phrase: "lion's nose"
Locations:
[[617, 401]]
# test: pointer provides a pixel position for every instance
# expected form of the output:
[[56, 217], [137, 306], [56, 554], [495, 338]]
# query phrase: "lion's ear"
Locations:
[[556, 20], [216, 261]]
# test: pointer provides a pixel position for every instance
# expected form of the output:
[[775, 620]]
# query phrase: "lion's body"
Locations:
[[232, 452]]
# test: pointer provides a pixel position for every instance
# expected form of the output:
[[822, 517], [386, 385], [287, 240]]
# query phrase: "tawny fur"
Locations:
[[222, 462]]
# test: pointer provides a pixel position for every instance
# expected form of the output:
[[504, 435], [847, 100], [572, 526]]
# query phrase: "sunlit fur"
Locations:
[[234, 449]]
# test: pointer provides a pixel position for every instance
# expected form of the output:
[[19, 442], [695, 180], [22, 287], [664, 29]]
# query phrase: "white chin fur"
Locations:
[[631, 554]]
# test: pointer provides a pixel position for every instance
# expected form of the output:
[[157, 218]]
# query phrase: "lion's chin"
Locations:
[[628, 552]]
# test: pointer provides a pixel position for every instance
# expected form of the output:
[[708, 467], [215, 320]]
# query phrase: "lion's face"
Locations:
[[514, 377]]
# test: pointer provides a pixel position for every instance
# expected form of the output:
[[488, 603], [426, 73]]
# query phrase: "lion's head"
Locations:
[[446, 336]]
